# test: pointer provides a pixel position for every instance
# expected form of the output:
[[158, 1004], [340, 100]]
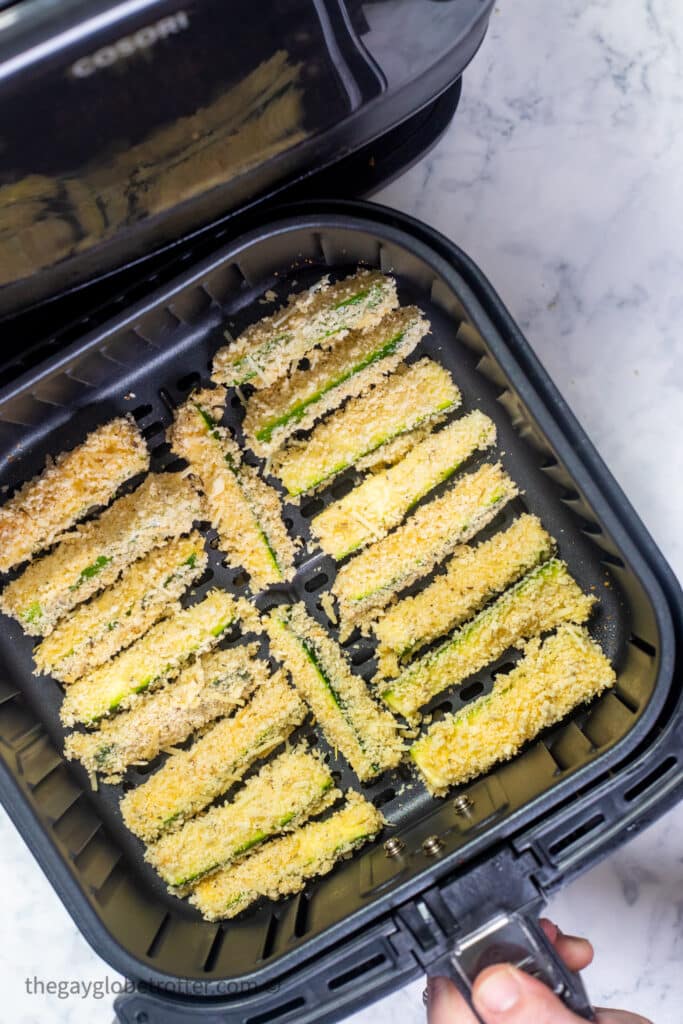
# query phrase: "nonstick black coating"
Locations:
[[146, 366]]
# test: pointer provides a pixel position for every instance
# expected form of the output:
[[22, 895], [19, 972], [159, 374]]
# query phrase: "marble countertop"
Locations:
[[562, 176]]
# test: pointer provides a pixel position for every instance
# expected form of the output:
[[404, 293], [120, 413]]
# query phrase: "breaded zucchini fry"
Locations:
[[542, 600], [552, 678], [76, 481], [282, 867], [191, 779], [264, 352], [368, 428], [351, 720], [212, 686], [284, 794], [472, 576], [349, 367], [146, 592], [245, 510], [93, 555], [152, 660], [381, 501], [369, 581]]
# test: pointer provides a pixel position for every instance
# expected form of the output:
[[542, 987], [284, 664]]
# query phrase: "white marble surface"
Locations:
[[562, 176]]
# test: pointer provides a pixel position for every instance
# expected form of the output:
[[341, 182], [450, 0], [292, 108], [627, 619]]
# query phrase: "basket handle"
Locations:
[[517, 938]]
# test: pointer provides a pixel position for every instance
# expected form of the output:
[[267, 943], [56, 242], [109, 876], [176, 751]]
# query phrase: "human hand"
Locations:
[[505, 995]]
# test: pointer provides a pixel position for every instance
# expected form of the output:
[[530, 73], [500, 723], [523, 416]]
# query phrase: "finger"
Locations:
[[620, 1017], [445, 1005], [505, 995], [576, 952]]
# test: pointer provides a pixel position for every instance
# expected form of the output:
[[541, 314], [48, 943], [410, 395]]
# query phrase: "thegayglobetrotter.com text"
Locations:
[[73, 988]]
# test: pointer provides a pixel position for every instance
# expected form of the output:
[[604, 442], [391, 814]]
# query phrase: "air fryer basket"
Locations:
[[145, 362]]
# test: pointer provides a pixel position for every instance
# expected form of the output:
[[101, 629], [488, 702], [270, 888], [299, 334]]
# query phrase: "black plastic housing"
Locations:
[[534, 823], [159, 117]]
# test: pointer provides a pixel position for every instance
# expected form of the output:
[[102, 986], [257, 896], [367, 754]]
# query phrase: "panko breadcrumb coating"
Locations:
[[287, 791], [243, 508], [379, 427], [369, 581], [146, 592], [542, 600], [553, 678], [265, 351], [47, 506], [352, 721], [380, 502], [473, 575], [213, 685], [93, 555], [349, 367], [282, 866], [158, 656], [191, 779]]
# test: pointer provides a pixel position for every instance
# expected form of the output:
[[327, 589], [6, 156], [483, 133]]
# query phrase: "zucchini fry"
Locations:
[[146, 592], [245, 510], [542, 600], [472, 576], [348, 368], [191, 779], [282, 867], [214, 685], [351, 720], [378, 427], [381, 501], [369, 581], [152, 660], [282, 796], [76, 481], [264, 352], [93, 555], [553, 678]]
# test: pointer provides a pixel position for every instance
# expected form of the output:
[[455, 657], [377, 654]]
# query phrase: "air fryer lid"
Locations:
[[157, 120], [533, 822]]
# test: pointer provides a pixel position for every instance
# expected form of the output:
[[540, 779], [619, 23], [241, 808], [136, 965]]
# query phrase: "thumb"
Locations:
[[505, 995]]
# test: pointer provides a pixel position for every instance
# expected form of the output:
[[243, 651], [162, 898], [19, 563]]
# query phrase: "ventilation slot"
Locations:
[[277, 1012], [311, 508], [169, 402], [318, 581], [341, 489], [385, 797], [269, 939], [155, 944], [471, 691], [141, 412], [189, 382], [152, 430], [560, 845], [301, 920], [216, 945], [357, 972], [643, 645], [654, 776]]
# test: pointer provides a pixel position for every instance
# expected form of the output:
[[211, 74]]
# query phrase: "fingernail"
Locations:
[[499, 991]]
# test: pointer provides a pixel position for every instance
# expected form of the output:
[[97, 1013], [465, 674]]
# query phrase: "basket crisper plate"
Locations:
[[145, 363]]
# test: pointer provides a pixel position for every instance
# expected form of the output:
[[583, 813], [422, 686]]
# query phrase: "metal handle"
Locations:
[[517, 939]]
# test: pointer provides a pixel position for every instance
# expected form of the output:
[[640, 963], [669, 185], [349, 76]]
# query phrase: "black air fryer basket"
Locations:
[[474, 869]]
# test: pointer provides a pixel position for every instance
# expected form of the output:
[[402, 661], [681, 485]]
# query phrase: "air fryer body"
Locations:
[[128, 125]]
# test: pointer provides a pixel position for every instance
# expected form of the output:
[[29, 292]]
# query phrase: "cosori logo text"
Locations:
[[127, 46]]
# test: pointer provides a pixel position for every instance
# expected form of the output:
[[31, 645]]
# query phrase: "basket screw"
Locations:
[[432, 845], [463, 805], [393, 847]]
